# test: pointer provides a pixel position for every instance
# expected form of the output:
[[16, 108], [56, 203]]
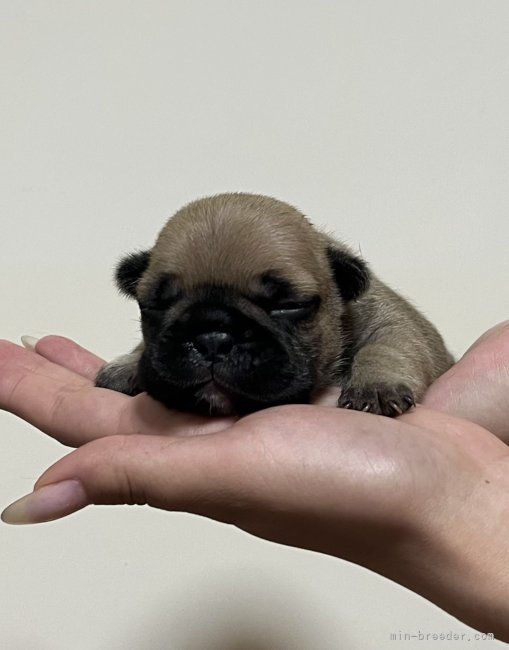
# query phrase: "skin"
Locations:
[[422, 499]]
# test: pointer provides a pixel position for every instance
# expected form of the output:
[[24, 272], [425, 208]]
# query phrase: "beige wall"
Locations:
[[386, 121]]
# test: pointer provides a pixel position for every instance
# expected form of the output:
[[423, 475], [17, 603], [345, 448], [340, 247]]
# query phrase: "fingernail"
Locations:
[[47, 503], [29, 342]]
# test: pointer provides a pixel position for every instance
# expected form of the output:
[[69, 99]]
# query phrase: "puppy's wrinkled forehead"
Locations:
[[233, 239]]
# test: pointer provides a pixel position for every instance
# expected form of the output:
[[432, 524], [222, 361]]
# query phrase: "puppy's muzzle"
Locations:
[[215, 359], [211, 330]]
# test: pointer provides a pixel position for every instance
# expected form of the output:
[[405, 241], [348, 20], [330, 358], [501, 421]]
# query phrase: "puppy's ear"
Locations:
[[351, 273], [129, 270]]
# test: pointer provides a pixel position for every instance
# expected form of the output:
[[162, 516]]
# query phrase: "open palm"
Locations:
[[366, 488]]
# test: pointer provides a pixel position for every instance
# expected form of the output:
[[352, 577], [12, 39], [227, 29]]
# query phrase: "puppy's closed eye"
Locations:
[[281, 299], [295, 310], [162, 294]]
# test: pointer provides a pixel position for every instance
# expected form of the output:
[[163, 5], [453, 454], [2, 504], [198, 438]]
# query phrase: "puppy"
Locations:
[[244, 305]]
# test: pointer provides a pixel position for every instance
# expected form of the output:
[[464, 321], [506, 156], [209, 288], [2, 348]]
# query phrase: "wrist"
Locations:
[[459, 559]]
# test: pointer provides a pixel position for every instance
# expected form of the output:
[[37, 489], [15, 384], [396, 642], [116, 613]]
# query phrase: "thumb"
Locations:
[[195, 474]]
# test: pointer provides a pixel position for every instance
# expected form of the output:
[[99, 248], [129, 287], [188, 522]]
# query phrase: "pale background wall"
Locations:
[[386, 121]]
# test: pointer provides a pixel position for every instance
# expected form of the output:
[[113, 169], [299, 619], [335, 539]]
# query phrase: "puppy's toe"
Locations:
[[381, 399]]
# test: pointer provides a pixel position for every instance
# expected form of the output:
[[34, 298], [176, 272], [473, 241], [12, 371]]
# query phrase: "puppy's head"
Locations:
[[241, 305]]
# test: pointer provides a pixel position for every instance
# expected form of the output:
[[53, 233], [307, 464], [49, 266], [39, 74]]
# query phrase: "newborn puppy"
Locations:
[[244, 305]]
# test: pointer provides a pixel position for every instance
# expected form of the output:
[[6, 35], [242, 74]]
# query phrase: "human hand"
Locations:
[[383, 493]]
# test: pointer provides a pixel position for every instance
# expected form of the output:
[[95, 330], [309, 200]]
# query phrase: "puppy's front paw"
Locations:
[[382, 399], [118, 376]]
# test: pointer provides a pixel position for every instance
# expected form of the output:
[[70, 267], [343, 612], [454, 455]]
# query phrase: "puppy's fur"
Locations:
[[245, 305]]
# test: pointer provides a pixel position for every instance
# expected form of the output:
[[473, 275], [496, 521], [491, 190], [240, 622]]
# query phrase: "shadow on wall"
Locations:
[[237, 610]]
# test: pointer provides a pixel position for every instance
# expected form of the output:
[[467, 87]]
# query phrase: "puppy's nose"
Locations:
[[213, 344]]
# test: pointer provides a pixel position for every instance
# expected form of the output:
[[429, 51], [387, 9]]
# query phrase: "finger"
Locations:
[[197, 475], [66, 353], [54, 399], [208, 475], [476, 387], [493, 332]]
